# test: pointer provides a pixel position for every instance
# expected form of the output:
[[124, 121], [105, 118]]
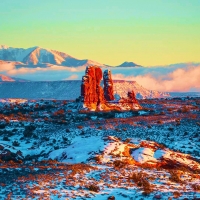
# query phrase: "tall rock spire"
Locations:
[[108, 85], [91, 91]]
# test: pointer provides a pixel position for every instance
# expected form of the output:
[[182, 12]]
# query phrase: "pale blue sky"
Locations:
[[148, 32]]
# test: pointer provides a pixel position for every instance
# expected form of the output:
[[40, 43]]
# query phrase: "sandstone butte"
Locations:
[[96, 98]]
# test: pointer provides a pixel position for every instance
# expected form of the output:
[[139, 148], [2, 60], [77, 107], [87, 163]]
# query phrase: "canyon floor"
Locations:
[[51, 149]]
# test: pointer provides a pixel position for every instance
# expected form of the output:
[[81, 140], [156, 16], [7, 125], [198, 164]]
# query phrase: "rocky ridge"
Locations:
[[96, 98]]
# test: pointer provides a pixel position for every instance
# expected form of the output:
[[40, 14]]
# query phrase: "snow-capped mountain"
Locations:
[[128, 64], [37, 56]]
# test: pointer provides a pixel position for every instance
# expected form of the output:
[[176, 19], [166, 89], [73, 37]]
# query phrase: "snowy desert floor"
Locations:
[[49, 149]]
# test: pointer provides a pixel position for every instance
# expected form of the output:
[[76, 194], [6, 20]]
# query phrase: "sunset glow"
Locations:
[[146, 32]]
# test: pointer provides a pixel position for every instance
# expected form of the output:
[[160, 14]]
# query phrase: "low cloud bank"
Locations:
[[181, 79], [172, 78]]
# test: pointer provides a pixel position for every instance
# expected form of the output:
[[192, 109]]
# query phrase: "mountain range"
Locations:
[[37, 56]]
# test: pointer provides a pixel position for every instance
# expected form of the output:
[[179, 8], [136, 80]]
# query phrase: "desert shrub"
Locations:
[[45, 139], [82, 132], [176, 194], [196, 187], [14, 130], [2, 126], [111, 198], [141, 180], [94, 188], [35, 136], [159, 122], [175, 176], [65, 139], [59, 113], [185, 109], [54, 140], [15, 143], [128, 140], [119, 163], [28, 131], [79, 127], [67, 130], [5, 138], [169, 109]]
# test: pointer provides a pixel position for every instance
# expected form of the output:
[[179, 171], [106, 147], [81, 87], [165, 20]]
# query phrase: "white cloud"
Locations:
[[182, 79], [6, 67], [72, 77]]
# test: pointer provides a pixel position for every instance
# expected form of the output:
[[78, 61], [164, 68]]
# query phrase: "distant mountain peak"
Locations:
[[38, 56], [129, 64]]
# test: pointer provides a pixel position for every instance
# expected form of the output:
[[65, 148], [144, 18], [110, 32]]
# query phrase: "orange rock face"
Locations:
[[96, 98], [108, 85], [91, 91]]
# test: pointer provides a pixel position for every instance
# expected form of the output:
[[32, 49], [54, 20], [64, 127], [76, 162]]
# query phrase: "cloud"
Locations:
[[181, 79], [27, 70], [178, 77], [6, 67], [24, 70], [72, 77]]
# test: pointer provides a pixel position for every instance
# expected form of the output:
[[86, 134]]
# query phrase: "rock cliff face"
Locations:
[[108, 85], [95, 98], [91, 91]]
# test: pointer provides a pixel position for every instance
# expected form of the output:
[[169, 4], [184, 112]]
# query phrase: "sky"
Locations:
[[147, 32]]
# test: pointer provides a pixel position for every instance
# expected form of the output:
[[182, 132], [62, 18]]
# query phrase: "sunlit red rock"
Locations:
[[108, 85], [96, 98], [91, 91]]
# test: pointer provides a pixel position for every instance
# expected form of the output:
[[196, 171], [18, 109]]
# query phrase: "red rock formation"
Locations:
[[108, 85], [91, 91], [131, 97], [96, 98]]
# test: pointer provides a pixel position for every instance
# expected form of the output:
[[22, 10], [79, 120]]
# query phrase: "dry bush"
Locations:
[[141, 180], [16, 143], [119, 163], [175, 176], [176, 194], [94, 188], [80, 127], [159, 122], [196, 187]]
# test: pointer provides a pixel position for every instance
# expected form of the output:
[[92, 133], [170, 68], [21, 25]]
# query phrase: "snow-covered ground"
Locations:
[[50, 150]]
